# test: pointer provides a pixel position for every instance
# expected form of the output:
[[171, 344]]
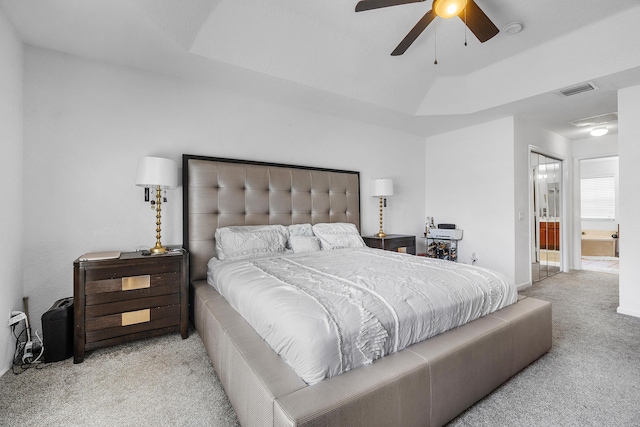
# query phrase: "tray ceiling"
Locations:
[[326, 57]]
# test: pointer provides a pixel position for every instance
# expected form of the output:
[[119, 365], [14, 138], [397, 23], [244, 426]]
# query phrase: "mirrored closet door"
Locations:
[[546, 179]]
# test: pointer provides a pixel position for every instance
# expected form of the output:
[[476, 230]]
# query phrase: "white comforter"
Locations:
[[328, 312]]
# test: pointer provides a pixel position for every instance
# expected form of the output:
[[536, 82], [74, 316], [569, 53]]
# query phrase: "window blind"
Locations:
[[598, 198]]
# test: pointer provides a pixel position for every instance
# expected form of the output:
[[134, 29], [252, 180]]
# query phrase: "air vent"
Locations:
[[574, 90], [595, 120]]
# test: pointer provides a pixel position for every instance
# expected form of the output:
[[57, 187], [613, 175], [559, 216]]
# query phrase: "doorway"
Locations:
[[599, 207], [546, 181]]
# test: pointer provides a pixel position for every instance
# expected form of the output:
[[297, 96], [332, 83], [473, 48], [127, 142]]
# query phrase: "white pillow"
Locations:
[[303, 244], [338, 235], [300, 230], [244, 242]]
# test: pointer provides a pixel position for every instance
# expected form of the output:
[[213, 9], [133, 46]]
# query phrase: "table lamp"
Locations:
[[158, 173], [382, 188]]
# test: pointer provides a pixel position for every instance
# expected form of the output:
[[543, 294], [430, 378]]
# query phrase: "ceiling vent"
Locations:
[[574, 90], [595, 120]]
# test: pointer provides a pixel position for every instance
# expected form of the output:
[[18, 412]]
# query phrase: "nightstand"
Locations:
[[392, 242], [135, 296]]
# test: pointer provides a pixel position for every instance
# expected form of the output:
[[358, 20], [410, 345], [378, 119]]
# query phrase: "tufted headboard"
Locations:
[[221, 192]]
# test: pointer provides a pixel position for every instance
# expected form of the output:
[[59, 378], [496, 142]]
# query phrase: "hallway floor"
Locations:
[[602, 264]]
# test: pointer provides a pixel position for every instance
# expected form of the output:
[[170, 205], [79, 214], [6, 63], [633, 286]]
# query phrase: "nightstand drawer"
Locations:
[[145, 267], [131, 305], [131, 287], [115, 325]]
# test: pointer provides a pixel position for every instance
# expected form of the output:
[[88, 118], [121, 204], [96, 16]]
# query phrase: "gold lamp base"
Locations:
[[380, 233], [158, 248]]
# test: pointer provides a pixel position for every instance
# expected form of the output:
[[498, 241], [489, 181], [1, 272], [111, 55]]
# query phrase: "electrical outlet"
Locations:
[[16, 317]]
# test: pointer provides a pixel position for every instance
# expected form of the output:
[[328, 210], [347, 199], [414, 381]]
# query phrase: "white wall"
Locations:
[[528, 137], [478, 178], [11, 208], [629, 149], [86, 123], [595, 146], [469, 182]]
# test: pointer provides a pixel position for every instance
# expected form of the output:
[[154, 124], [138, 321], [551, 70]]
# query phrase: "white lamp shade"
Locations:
[[382, 187], [154, 171]]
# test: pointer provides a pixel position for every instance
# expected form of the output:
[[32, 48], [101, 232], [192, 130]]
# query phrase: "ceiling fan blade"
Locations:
[[478, 22], [414, 33], [377, 4]]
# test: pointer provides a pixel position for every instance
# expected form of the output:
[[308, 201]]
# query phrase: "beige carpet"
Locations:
[[164, 381], [591, 376]]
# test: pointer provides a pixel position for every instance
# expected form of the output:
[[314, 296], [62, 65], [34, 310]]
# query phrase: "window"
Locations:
[[598, 198]]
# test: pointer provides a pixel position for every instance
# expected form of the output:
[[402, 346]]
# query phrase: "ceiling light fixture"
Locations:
[[448, 8], [599, 131]]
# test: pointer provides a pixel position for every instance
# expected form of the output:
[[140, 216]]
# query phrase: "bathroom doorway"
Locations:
[[599, 207]]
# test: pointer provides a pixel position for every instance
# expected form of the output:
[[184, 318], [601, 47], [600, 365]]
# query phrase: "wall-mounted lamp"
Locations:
[[160, 174], [382, 188]]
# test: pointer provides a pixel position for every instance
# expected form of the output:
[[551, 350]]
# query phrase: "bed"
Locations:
[[427, 383]]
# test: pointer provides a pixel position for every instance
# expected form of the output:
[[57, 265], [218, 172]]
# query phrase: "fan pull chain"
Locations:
[[465, 26], [435, 47]]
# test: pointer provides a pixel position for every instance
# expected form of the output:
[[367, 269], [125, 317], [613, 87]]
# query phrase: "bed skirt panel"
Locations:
[[466, 364], [389, 393], [530, 322]]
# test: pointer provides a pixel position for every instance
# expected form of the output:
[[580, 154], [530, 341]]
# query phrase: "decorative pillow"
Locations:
[[302, 244], [300, 230], [244, 242], [338, 235]]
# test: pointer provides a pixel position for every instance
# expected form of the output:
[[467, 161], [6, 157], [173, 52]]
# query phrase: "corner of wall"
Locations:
[[11, 170]]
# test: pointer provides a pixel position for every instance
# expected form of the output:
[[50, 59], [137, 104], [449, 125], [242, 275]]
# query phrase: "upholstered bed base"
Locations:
[[427, 384]]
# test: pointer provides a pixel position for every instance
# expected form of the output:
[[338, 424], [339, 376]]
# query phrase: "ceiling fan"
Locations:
[[467, 10]]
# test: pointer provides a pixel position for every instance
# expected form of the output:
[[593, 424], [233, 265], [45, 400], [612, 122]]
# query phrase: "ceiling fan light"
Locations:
[[599, 131], [448, 8]]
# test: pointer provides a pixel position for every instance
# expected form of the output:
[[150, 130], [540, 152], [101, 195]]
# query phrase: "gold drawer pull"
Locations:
[[134, 317], [136, 282]]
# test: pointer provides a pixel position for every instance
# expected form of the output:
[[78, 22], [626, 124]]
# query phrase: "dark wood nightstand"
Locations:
[[125, 299], [391, 242]]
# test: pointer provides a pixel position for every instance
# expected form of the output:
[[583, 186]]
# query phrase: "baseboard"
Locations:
[[634, 313]]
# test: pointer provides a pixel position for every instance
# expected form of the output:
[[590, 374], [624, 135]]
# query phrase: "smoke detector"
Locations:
[[512, 28]]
